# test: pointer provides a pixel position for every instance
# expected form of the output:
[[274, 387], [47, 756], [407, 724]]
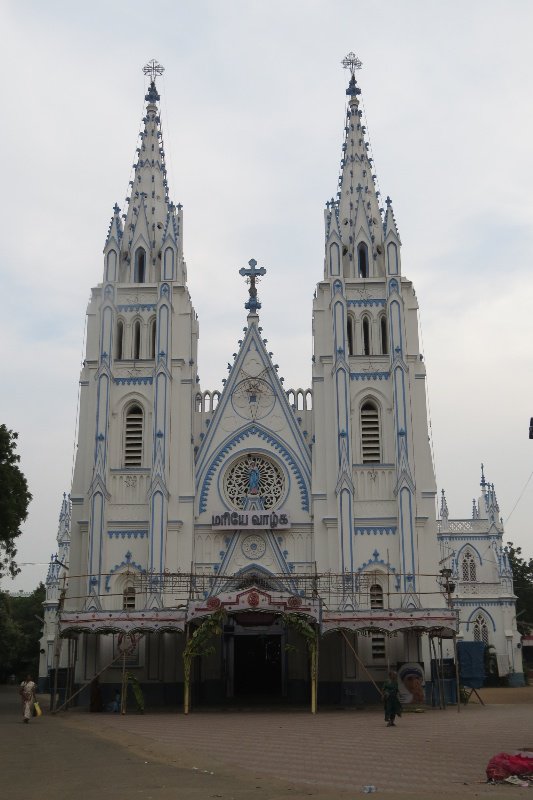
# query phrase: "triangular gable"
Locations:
[[253, 403]]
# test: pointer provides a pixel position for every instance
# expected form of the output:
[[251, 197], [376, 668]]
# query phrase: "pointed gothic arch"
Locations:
[[365, 335], [350, 334], [468, 567], [136, 340], [153, 337], [139, 270], [383, 335], [119, 340], [363, 267]]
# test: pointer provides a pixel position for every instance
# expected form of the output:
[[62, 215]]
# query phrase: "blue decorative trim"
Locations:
[[146, 380], [137, 307], [370, 302], [126, 563], [377, 560], [128, 534], [368, 376], [369, 529], [254, 430]]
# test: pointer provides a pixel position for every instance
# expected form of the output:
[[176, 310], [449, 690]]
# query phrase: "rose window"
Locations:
[[254, 476]]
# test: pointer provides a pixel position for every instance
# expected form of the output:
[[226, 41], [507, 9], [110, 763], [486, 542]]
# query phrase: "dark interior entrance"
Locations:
[[257, 666]]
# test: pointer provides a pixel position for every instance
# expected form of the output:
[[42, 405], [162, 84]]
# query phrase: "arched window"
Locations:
[[133, 437], [199, 403], [370, 433], [139, 274], [469, 567], [137, 340], [153, 330], [350, 335], [481, 630], [383, 335], [376, 596], [111, 266], [366, 336], [362, 259], [128, 598], [119, 341]]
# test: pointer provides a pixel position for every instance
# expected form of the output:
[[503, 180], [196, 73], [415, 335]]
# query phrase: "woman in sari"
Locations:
[[27, 694], [391, 701]]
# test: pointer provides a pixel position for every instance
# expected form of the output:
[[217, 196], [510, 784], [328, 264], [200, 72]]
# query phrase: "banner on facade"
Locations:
[[248, 521]]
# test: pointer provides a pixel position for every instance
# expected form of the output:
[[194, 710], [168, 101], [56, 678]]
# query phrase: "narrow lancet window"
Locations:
[[350, 336], [153, 330], [137, 340], [362, 260], [383, 335], [376, 596], [139, 275], [119, 341], [366, 336]]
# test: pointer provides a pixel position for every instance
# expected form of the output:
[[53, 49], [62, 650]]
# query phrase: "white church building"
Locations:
[[255, 499]]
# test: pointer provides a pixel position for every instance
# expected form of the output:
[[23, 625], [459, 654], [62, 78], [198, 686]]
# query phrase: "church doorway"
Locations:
[[257, 666]]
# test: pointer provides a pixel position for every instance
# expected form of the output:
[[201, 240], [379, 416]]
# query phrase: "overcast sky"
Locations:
[[253, 110]]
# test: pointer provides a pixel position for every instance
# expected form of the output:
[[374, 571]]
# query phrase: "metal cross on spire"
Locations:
[[351, 62], [252, 275], [152, 69]]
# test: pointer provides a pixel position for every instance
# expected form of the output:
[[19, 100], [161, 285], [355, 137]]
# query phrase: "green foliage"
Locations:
[[20, 632], [137, 691], [14, 500], [523, 587], [198, 644], [302, 625]]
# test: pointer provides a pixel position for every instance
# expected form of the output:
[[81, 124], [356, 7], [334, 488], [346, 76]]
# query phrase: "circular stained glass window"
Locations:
[[254, 476]]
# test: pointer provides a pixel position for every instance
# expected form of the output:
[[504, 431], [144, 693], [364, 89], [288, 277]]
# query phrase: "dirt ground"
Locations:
[[270, 755]]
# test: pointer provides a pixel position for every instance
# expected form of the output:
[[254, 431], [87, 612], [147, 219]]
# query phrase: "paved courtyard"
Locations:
[[265, 755]]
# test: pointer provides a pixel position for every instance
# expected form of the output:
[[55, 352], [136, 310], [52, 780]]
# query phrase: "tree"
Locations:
[[14, 501], [20, 631], [523, 587]]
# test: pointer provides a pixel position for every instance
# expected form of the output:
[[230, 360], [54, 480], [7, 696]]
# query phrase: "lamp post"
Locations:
[[449, 587]]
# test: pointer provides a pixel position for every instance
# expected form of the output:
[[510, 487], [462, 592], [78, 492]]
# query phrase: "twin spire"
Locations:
[[150, 218], [354, 215]]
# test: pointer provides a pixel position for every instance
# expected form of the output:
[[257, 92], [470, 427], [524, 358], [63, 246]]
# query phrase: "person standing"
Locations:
[[27, 695], [391, 701]]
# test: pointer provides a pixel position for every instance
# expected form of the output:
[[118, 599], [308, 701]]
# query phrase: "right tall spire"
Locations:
[[356, 214]]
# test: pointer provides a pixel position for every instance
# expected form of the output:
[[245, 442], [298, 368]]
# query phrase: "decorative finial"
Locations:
[[252, 275], [352, 63], [152, 69], [483, 482]]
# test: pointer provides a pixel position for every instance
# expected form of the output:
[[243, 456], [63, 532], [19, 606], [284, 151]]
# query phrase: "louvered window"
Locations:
[[378, 648], [128, 598], [370, 434], [376, 596], [133, 437]]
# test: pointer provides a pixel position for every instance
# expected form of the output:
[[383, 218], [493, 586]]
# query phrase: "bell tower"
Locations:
[[373, 478]]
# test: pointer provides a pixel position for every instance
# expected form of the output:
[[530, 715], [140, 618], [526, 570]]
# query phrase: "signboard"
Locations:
[[250, 521]]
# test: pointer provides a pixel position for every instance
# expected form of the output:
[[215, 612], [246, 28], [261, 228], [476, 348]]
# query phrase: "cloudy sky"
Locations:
[[253, 111]]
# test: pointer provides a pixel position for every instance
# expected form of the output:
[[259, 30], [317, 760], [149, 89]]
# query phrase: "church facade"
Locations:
[[270, 507]]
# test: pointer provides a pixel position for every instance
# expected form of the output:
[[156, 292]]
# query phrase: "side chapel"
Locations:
[[257, 500]]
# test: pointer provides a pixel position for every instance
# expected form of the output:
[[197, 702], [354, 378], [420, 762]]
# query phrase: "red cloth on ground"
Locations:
[[504, 764]]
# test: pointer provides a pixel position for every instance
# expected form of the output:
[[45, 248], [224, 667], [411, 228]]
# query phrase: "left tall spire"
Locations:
[[150, 217]]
